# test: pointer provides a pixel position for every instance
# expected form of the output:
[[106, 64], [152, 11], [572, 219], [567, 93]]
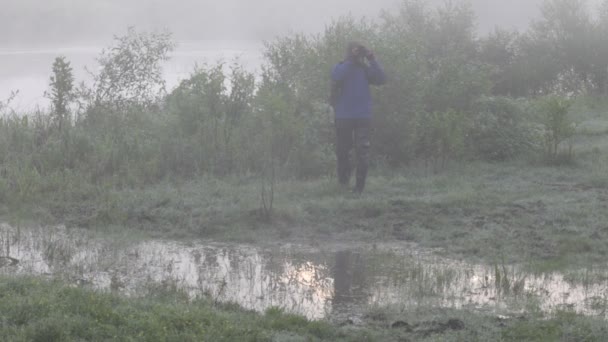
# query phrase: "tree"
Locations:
[[61, 91], [558, 127], [565, 32], [499, 50], [601, 49], [130, 72]]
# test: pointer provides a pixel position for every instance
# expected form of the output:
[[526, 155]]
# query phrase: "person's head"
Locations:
[[355, 50]]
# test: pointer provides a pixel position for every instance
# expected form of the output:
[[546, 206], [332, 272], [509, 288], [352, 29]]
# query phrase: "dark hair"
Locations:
[[352, 45]]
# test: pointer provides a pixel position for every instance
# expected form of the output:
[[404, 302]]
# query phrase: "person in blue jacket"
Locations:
[[352, 103]]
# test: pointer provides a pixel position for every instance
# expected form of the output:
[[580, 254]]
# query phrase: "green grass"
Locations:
[[546, 216], [32, 309], [494, 213], [37, 310]]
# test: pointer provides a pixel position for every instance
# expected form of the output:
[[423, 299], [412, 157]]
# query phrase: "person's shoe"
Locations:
[[360, 186]]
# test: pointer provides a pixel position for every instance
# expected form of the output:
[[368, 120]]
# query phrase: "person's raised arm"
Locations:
[[375, 72]]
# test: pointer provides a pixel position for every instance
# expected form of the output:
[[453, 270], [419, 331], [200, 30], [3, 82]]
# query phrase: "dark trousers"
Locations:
[[353, 133]]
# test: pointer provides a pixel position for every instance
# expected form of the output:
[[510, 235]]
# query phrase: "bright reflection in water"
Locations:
[[309, 282]]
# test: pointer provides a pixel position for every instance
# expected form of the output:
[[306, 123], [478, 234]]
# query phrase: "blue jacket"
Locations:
[[355, 100]]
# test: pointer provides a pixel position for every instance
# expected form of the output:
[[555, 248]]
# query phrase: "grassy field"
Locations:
[[546, 216], [527, 212], [40, 310], [196, 163]]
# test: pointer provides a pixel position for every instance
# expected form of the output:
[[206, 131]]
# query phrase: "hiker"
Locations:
[[352, 104]]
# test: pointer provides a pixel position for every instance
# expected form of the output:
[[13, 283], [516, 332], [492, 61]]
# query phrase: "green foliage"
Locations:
[[565, 326], [557, 125], [568, 49], [224, 121], [500, 129], [563, 51], [35, 310], [129, 74], [61, 92], [441, 136], [429, 57], [202, 127], [39, 310], [499, 51]]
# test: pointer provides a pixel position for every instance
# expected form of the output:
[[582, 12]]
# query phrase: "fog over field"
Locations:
[[239, 170], [57, 21]]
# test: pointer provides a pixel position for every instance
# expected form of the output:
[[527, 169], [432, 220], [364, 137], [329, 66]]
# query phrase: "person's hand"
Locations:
[[369, 54]]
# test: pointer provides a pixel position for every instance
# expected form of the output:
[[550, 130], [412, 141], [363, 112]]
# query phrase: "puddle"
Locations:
[[314, 283]]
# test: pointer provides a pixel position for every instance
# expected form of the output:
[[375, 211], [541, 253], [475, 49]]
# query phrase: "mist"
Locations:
[[235, 170], [60, 21]]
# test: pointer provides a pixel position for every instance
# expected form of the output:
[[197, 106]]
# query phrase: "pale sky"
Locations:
[[67, 20]]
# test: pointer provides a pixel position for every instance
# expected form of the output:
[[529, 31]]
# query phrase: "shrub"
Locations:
[[557, 125], [440, 136], [500, 129]]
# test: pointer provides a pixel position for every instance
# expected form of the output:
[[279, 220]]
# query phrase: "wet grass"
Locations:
[[549, 217], [37, 310], [426, 324], [42, 310]]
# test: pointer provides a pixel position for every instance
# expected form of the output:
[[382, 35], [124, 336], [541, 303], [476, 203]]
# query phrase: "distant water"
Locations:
[[28, 68]]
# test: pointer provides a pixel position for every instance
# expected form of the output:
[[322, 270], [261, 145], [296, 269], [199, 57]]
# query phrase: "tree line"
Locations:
[[452, 95]]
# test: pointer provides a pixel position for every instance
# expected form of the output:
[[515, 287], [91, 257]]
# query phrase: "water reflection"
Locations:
[[350, 290], [309, 282]]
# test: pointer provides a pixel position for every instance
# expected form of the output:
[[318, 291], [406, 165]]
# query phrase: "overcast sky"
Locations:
[[78, 20]]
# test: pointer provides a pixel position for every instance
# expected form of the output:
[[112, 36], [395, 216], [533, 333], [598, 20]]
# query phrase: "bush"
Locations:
[[440, 137], [314, 156], [557, 126], [500, 129]]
